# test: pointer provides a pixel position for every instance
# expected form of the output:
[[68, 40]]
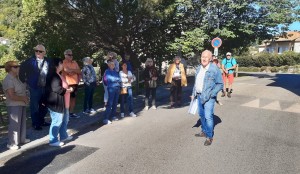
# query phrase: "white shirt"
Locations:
[[124, 78], [200, 78]]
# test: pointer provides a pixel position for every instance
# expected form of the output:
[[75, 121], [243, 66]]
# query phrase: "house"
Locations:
[[287, 41]]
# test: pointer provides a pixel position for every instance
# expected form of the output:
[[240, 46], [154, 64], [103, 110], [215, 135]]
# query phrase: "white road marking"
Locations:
[[252, 104]]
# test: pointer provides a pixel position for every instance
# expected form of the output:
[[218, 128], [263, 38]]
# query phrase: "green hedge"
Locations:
[[288, 58]]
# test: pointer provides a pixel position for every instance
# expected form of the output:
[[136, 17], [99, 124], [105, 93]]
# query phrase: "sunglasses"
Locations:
[[38, 51], [69, 54], [228, 55], [17, 66]]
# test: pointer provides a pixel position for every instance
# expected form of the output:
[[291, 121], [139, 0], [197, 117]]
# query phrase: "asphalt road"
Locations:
[[257, 131]]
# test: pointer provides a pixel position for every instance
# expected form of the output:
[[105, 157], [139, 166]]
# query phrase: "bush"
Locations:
[[274, 69], [269, 59]]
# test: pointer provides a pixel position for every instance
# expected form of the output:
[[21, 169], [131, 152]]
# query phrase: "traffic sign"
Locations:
[[216, 42]]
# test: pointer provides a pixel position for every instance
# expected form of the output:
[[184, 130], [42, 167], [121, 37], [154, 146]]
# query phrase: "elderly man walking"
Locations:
[[34, 71], [228, 66], [208, 82]]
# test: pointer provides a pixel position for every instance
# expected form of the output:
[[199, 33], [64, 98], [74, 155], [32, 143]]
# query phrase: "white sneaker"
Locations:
[[146, 108], [115, 119], [122, 115], [154, 107], [101, 109], [57, 144], [86, 111], [25, 141], [132, 114], [13, 147], [67, 139], [106, 121], [92, 111]]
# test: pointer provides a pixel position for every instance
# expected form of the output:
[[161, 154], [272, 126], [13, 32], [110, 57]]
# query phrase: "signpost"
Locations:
[[216, 43]]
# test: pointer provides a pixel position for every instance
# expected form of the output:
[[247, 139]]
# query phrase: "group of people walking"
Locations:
[[51, 85]]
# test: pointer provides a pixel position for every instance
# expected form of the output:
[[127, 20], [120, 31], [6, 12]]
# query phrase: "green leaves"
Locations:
[[140, 28]]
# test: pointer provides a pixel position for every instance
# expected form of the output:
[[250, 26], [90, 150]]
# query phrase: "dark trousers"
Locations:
[[88, 96], [176, 92], [151, 91], [37, 109]]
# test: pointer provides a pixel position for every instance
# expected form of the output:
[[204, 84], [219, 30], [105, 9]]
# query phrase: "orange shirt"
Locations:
[[71, 78]]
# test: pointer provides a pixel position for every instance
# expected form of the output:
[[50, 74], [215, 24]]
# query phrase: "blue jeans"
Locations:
[[58, 126], [129, 98], [37, 110], [88, 96], [113, 97], [206, 112]]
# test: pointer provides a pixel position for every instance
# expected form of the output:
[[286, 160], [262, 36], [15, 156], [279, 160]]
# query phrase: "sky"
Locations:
[[295, 26]]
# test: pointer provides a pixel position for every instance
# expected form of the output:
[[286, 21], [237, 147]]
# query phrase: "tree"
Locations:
[[10, 11], [238, 23]]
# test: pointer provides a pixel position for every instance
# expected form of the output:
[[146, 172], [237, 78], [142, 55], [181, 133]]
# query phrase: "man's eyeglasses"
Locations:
[[38, 51], [17, 66], [69, 54]]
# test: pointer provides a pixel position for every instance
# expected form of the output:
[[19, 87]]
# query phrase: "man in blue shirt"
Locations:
[[228, 66]]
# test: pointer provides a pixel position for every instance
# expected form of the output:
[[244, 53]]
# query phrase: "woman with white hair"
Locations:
[[89, 78], [150, 77]]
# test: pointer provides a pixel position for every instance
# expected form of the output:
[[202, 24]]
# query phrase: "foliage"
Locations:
[[142, 28], [10, 11], [288, 58]]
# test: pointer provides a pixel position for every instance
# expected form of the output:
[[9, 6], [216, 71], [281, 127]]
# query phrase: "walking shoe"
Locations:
[[208, 142], [154, 107], [171, 107], [201, 134], [86, 111], [229, 94], [57, 144], [106, 121], [26, 141], [132, 114], [13, 147], [223, 94], [92, 111], [72, 115], [146, 108], [67, 139], [114, 119], [101, 109], [122, 115]]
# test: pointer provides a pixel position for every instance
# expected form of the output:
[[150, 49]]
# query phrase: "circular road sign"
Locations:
[[216, 42]]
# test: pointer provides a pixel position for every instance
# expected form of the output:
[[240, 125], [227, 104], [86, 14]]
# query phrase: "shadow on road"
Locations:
[[217, 120], [34, 160], [289, 82]]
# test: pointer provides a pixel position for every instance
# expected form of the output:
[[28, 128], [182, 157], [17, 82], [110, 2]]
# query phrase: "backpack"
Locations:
[[228, 62]]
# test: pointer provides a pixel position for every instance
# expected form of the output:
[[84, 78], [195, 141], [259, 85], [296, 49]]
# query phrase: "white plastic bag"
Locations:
[[193, 109]]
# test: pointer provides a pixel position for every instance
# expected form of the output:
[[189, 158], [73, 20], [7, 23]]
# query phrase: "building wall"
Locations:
[[297, 47], [278, 47]]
